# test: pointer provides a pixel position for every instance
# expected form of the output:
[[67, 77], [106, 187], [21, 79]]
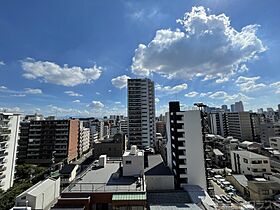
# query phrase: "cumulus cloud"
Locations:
[[96, 105], [120, 81], [229, 98], [32, 91], [97, 93], [248, 84], [72, 93], [277, 86], [170, 90], [76, 101], [60, 75], [206, 45], [10, 109], [192, 94], [2, 63]]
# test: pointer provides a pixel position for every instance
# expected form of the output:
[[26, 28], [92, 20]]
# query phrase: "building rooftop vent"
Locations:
[[133, 150]]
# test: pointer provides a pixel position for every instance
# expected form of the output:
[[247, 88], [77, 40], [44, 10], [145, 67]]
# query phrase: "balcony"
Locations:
[[183, 166], [183, 176]]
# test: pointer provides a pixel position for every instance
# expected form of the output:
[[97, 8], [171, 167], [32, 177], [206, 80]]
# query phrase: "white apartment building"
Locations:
[[185, 146], [41, 195], [275, 142], [124, 126], [9, 130], [249, 163], [84, 139], [268, 130], [141, 112]]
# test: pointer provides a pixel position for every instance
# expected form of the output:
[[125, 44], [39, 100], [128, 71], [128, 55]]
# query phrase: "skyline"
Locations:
[[76, 60]]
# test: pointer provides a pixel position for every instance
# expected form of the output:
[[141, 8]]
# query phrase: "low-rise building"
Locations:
[[112, 147], [41, 196], [275, 142], [133, 162], [249, 163]]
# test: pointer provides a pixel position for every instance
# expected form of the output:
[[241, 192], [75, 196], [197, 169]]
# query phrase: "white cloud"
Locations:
[[97, 93], [2, 63], [277, 86], [207, 45], [117, 102], [19, 95], [10, 109], [96, 105], [120, 81], [52, 73], [157, 100], [76, 101], [248, 84], [32, 91], [72, 93], [54, 110], [170, 90], [205, 94], [229, 98], [192, 94], [3, 87], [109, 91]]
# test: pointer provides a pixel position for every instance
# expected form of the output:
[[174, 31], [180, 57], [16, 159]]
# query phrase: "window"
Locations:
[[264, 170], [128, 162], [265, 192], [245, 160], [265, 161]]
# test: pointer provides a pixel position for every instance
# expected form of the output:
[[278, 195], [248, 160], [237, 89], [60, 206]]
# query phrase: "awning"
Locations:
[[129, 197]]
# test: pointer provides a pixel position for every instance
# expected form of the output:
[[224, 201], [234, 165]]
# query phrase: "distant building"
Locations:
[[185, 146], [238, 106], [225, 108], [84, 139], [161, 128], [141, 112], [275, 143], [249, 163], [41, 195], [124, 126], [268, 130], [112, 147], [232, 108], [48, 141], [9, 131], [239, 125]]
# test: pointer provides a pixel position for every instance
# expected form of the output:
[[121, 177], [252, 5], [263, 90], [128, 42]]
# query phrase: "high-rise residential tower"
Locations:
[[9, 130], [239, 106], [141, 112]]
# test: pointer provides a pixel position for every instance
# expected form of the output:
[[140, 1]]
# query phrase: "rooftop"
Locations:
[[249, 154], [67, 169], [107, 179], [241, 179]]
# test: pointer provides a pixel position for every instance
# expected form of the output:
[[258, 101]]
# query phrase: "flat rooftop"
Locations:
[[105, 179], [249, 154]]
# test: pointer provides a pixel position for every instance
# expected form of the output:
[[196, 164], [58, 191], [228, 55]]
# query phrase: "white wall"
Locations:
[[194, 149], [136, 167]]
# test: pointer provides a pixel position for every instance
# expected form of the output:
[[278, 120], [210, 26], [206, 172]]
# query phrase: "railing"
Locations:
[[103, 187]]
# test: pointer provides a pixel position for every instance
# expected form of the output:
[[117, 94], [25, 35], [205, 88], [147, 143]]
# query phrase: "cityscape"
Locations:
[[126, 105]]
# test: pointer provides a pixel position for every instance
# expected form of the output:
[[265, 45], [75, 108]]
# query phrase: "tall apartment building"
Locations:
[[238, 106], [185, 146], [124, 126], [45, 141], [239, 125], [141, 112], [9, 130]]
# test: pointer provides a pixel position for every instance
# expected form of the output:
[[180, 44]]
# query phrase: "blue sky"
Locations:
[[72, 58]]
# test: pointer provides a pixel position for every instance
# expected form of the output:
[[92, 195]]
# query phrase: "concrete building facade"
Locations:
[[9, 131], [141, 112], [48, 141], [249, 163], [185, 147]]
